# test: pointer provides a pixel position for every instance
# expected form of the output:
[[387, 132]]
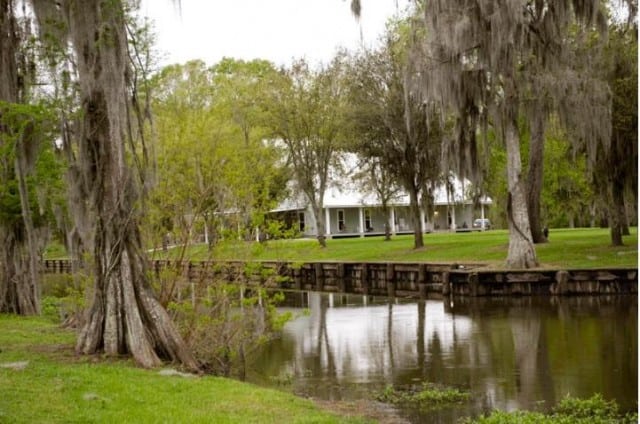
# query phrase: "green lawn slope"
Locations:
[[42, 381], [567, 248]]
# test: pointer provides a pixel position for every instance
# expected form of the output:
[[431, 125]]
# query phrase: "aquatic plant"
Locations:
[[570, 410], [428, 395]]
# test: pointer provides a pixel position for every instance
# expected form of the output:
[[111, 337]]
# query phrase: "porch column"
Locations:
[[482, 215], [327, 222], [361, 221], [423, 221], [453, 217], [392, 218]]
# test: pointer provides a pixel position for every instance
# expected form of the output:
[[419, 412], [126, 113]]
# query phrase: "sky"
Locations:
[[276, 30]]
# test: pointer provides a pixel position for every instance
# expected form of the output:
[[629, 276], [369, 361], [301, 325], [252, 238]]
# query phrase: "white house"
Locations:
[[349, 211]]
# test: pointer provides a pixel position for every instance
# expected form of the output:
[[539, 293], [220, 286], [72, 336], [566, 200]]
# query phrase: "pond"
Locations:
[[509, 353]]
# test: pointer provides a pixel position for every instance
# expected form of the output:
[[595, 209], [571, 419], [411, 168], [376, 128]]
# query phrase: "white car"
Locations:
[[482, 224]]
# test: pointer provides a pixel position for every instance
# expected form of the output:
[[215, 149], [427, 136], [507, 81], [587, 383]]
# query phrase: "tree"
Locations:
[[124, 317], [306, 113], [190, 159], [566, 196], [258, 176], [211, 154], [476, 54], [615, 167], [376, 178], [390, 121], [24, 134], [27, 169]]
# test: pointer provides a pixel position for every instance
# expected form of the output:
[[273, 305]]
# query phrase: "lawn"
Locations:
[[567, 248], [55, 386]]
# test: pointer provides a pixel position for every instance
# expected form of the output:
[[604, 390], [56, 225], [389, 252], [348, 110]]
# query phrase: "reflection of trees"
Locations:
[[512, 352], [420, 337], [622, 346], [539, 349], [390, 336], [323, 341], [532, 373], [593, 341]]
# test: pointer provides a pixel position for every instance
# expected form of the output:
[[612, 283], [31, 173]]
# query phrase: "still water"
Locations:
[[509, 353]]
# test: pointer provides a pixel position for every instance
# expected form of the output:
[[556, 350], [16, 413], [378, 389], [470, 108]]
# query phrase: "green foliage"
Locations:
[[387, 114], [28, 137], [566, 193], [50, 308], [10, 211], [426, 396], [594, 410], [215, 172], [67, 293], [225, 322], [305, 114]]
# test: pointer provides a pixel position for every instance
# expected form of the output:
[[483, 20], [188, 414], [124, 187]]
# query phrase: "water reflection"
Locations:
[[523, 353]]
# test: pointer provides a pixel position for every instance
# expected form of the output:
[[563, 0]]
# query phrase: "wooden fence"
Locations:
[[412, 280]]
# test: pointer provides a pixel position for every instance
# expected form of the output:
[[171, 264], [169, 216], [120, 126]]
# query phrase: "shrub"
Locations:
[[225, 322]]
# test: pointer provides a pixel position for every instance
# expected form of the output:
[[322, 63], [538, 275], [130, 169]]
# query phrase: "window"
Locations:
[[367, 220], [341, 226], [301, 221]]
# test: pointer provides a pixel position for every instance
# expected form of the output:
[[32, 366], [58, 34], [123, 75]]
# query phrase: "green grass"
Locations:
[[58, 387], [55, 250], [567, 248]]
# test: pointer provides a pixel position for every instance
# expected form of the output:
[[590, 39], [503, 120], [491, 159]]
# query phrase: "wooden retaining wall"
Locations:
[[410, 280]]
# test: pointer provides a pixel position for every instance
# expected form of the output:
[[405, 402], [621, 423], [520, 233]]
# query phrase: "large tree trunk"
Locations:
[[616, 211], [416, 221], [125, 317], [534, 180], [522, 252], [19, 277], [19, 294], [30, 284], [625, 216]]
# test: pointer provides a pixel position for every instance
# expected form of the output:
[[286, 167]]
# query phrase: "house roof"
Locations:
[[349, 195]]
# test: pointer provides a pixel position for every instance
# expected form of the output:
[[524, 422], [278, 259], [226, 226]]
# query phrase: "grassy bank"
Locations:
[[567, 248], [55, 386], [42, 381]]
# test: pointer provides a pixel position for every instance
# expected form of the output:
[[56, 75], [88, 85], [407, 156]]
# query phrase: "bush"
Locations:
[[225, 322]]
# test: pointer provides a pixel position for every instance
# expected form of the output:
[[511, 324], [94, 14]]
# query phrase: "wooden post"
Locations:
[[422, 281], [562, 282], [342, 284], [390, 280], [297, 279], [472, 279], [364, 279], [317, 267], [390, 275], [446, 284]]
